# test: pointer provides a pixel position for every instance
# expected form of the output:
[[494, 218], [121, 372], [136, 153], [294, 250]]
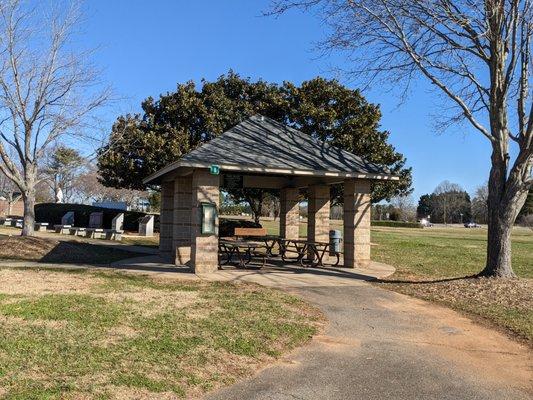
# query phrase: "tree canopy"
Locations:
[[182, 120], [449, 203]]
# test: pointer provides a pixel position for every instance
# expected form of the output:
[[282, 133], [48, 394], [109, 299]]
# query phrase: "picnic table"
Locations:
[[308, 253], [271, 241], [244, 250]]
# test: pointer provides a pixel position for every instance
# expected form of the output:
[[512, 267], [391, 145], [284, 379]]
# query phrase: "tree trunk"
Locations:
[[29, 213], [505, 199], [499, 249]]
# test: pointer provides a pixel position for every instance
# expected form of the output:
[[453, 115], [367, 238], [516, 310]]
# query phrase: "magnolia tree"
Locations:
[[477, 53], [47, 89]]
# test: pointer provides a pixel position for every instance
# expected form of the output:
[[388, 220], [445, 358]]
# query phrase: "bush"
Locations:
[[53, 212], [227, 227], [397, 224]]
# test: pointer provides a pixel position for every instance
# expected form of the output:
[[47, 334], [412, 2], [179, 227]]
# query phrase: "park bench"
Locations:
[[94, 233], [7, 221], [77, 231], [41, 226], [62, 229], [113, 234], [18, 223]]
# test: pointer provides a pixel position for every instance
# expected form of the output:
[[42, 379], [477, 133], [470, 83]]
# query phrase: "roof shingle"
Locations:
[[262, 142]]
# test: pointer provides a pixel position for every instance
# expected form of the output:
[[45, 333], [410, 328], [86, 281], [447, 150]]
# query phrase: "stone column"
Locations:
[[318, 215], [289, 216], [165, 220], [205, 189], [356, 223], [181, 245]]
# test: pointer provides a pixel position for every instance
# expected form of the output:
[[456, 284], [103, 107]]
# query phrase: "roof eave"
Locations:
[[270, 171]]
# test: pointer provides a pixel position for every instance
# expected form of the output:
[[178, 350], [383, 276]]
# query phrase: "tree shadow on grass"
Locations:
[[85, 253], [425, 281]]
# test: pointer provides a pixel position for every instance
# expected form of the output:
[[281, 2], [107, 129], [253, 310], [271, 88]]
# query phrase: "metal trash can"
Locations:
[[335, 240]]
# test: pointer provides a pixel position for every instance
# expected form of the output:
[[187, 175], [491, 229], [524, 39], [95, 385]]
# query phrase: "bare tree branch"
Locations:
[[47, 90]]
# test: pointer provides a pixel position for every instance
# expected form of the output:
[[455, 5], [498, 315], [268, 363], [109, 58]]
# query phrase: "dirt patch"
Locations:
[[154, 301], [17, 321], [337, 343], [126, 393], [30, 282], [118, 333]]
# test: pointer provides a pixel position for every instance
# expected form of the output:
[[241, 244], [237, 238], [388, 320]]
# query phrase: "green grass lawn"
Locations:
[[445, 252], [109, 335]]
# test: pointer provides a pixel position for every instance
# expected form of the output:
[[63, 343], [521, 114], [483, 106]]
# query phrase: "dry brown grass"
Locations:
[[503, 303]]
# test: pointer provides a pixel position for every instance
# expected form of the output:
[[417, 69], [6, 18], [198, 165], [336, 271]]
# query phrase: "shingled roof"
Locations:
[[260, 144]]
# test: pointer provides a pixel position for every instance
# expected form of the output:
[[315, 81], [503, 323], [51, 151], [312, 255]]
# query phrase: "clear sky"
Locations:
[[147, 47]]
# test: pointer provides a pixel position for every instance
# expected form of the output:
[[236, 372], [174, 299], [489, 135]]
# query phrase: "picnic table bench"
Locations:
[[307, 253], [244, 250]]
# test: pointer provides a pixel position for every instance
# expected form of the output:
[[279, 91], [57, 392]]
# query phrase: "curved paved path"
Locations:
[[383, 345]]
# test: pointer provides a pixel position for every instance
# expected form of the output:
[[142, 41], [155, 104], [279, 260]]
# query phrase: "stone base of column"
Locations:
[[289, 217], [204, 250], [165, 221], [182, 220], [357, 208]]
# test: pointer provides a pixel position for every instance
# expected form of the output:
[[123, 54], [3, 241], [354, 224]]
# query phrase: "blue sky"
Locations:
[[146, 47]]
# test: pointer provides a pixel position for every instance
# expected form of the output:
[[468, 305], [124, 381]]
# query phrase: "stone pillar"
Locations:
[[289, 216], [181, 229], [318, 215], [356, 223], [165, 220], [204, 250]]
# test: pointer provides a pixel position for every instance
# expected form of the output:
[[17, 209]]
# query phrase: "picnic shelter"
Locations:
[[262, 153]]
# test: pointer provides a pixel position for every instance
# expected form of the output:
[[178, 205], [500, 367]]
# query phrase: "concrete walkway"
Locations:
[[274, 275]]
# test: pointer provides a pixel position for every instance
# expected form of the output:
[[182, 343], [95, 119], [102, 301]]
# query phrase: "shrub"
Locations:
[[397, 224], [53, 212]]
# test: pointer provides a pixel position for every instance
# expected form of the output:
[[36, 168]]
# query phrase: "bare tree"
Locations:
[[47, 89], [405, 205], [477, 53], [87, 188], [480, 210]]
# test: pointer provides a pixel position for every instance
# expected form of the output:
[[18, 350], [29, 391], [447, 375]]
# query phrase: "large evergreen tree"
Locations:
[[182, 120]]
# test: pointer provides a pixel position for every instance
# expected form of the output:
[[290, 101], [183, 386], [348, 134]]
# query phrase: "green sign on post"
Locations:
[[214, 169]]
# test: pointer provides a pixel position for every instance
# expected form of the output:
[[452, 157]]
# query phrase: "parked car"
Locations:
[[425, 223], [472, 225]]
